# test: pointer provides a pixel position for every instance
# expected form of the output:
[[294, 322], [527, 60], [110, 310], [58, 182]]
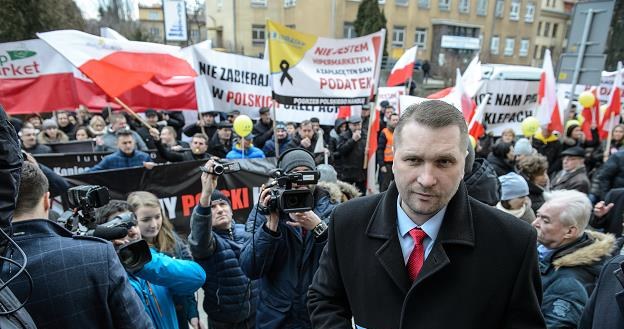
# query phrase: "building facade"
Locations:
[[552, 27], [444, 30], [151, 22]]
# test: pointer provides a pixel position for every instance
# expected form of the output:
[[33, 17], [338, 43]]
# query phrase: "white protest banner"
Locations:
[[227, 82], [604, 90], [175, 20], [326, 114], [510, 102], [311, 70], [390, 94]]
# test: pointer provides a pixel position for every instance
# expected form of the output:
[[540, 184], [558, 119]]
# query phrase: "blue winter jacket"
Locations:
[[119, 160], [229, 295], [285, 263], [250, 153], [159, 280]]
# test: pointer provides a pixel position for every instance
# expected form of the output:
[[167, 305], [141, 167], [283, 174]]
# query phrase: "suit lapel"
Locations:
[[383, 226]]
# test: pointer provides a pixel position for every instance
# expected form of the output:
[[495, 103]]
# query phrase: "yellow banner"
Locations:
[[287, 46]]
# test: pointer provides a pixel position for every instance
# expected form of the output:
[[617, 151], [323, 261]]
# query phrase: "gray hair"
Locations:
[[434, 114], [575, 207]]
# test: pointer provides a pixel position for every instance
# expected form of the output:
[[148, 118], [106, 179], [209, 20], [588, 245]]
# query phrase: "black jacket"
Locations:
[[39, 149], [612, 173], [552, 152], [174, 156], [362, 273], [605, 309], [351, 158], [501, 166], [262, 132], [612, 221], [482, 182], [193, 129], [536, 194], [10, 169], [217, 148]]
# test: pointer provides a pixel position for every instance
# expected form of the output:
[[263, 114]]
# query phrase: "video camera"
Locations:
[[284, 197], [222, 168], [81, 220]]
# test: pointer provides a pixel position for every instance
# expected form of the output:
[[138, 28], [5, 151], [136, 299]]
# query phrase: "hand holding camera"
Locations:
[[209, 183]]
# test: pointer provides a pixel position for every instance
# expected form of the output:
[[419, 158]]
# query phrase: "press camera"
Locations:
[[222, 168], [287, 199]]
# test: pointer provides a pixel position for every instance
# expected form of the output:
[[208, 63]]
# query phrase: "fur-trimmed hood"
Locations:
[[340, 191], [602, 246]]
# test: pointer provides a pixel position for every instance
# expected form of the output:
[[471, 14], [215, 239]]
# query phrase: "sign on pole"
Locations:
[[175, 20]]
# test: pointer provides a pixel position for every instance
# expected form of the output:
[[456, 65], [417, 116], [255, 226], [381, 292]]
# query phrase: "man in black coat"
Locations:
[[423, 254], [605, 309], [609, 213], [351, 148], [612, 173], [263, 129]]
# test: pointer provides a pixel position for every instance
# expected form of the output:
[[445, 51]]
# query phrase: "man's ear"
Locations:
[[46, 201], [572, 232]]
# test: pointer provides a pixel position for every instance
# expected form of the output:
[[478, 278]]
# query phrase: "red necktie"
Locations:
[[417, 257]]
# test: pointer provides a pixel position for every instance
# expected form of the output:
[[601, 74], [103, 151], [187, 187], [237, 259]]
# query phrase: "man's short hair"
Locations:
[[103, 214], [315, 120], [575, 207], [33, 186], [305, 123], [123, 132], [434, 114], [116, 116], [202, 136]]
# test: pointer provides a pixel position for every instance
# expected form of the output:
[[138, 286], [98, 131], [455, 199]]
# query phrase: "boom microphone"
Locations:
[[109, 233]]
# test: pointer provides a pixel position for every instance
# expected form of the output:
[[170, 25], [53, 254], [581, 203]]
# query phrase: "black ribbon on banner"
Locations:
[[284, 66]]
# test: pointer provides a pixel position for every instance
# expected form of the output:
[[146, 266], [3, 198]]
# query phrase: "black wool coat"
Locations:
[[481, 273]]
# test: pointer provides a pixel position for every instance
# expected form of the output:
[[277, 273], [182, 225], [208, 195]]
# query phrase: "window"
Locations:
[[535, 52], [289, 3], [514, 12], [194, 34], [444, 5], [482, 7], [348, 31], [500, 7], [555, 26], [423, 3], [154, 31], [153, 15], [258, 3], [546, 29], [464, 6], [524, 48], [509, 46], [398, 36], [494, 46], [381, 2], [530, 12], [257, 34], [539, 28], [401, 2], [420, 38], [219, 4]]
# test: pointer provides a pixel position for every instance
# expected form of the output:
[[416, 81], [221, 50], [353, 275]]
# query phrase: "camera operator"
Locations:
[[216, 242], [159, 279], [78, 281], [286, 248]]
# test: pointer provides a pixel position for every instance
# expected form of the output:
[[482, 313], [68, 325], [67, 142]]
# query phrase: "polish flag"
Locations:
[[614, 106], [548, 111], [591, 115], [403, 68], [119, 66], [476, 128], [371, 177], [460, 99]]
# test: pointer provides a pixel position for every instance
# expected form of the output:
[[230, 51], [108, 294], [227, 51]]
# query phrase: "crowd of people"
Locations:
[[544, 212]]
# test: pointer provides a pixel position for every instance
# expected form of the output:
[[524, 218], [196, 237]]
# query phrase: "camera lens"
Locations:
[[128, 257], [217, 169]]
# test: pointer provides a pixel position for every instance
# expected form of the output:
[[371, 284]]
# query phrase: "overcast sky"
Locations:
[[89, 8]]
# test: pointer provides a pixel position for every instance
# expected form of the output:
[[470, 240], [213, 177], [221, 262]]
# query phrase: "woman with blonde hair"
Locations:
[[157, 231]]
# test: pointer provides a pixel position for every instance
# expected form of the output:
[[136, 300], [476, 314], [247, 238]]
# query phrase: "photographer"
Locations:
[[78, 281], [286, 249], [159, 279], [216, 242]]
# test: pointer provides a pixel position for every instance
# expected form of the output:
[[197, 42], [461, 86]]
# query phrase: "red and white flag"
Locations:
[[129, 70], [475, 127], [403, 68], [466, 87], [371, 177], [614, 106], [548, 111]]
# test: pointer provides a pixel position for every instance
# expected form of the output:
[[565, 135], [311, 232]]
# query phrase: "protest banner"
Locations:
[[310, 70], [178, 186], [406, 100], [326, 114], [228, 81], [390, 94], [66, 164], [604, 90]]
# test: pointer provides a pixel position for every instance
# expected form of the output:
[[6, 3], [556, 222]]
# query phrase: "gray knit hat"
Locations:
[[294, 158], [218, 196], [328, 173], [523, 147], [513, 186], [49, 123]]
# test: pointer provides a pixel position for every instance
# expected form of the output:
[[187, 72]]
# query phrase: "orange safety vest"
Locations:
[[388, 156]]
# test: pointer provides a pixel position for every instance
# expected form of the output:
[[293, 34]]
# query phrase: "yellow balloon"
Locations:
[[529, 126], [473, 142], [586, 99], [243, 125]]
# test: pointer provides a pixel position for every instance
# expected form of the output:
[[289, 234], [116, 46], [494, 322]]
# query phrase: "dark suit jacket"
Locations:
[[481, 273], [575, 180], [605, 309], [78, 282]]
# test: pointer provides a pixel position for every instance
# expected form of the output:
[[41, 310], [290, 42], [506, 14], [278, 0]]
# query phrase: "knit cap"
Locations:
[[295, 158], [523, 147], [328, 173], [49, 123], [513, 186], [218, 196]]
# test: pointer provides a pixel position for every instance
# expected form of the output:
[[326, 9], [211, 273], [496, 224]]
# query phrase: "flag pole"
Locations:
[[134, 114]]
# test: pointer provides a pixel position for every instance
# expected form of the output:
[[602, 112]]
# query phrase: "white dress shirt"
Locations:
[[405, 224]]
